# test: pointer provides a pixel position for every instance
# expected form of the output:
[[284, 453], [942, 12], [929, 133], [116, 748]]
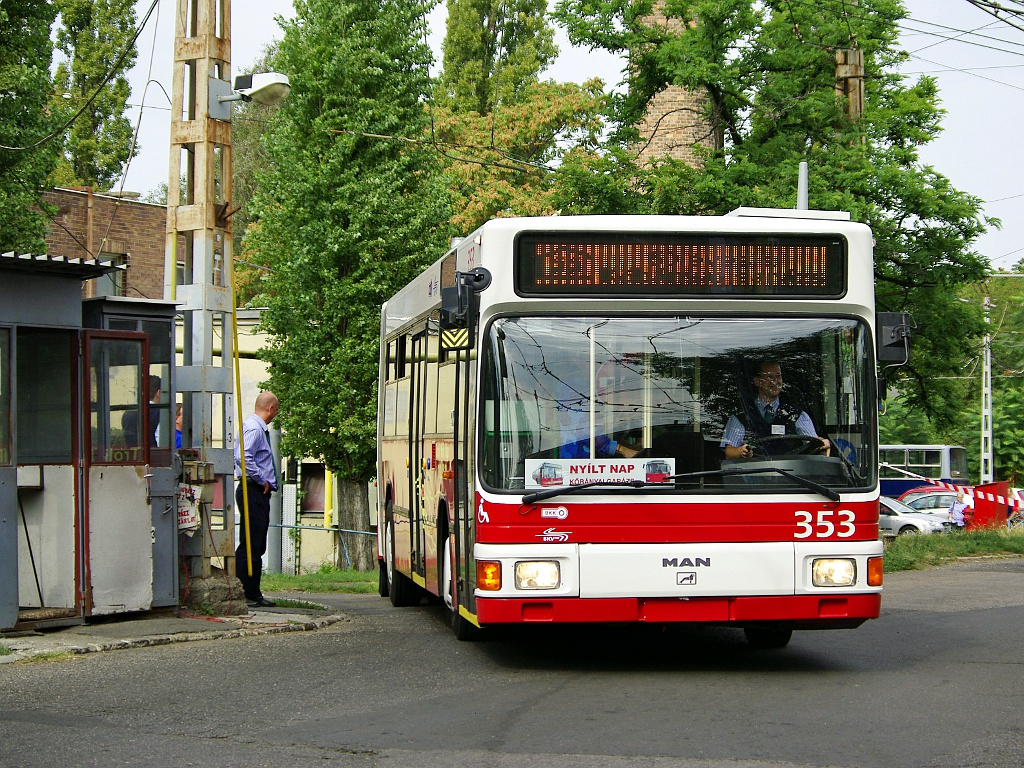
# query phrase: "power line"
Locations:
[[114, 69], [972, 74]]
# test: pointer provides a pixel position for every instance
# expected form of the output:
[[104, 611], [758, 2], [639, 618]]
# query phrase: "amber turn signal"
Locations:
[[874, 571], [488, 575]]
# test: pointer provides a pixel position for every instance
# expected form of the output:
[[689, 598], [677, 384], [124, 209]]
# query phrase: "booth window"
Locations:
[[161, 413], [120, 431], [45, 413]]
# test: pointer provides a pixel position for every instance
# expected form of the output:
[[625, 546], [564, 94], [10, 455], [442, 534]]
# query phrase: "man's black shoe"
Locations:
[[260, 603]]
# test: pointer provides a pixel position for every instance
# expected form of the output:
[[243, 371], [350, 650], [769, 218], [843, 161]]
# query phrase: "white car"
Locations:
[[897, 519], [936, 503]]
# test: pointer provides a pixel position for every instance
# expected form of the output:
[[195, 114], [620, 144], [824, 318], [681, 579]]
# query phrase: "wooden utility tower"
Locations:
[[198, 271]]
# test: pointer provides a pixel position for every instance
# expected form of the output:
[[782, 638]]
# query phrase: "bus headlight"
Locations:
[[538, 574], [834, 572]]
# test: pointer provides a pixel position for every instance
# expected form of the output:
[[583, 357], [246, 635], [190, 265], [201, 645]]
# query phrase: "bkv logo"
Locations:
[[552, 535]]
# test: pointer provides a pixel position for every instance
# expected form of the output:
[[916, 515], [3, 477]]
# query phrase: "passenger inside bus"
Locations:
[[574, 420], [769, 425]]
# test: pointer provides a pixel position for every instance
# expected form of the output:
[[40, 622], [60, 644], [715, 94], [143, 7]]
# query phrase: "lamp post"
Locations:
[[198, 259]]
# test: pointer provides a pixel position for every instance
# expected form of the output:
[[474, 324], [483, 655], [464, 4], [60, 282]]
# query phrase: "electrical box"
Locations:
[[199, 474]]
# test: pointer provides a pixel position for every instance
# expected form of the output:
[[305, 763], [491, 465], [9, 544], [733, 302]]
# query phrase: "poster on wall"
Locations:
[[188, 508]]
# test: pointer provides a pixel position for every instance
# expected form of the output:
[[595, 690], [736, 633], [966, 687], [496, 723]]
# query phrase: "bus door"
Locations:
[[120, 430], [418, 456], [463, 570]]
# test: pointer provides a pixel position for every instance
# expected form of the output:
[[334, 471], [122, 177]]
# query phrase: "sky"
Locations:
[[977, 60]]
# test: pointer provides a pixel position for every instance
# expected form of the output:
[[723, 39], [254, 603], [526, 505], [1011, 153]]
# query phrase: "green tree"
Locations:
[[342, 218], [767, 70], [498, 128], [97, 37], [492, 51], [249, 158], [28, 152], [501, 164]]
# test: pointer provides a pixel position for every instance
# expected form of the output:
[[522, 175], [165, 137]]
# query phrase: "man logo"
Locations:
[[686, 578], [686, 562]]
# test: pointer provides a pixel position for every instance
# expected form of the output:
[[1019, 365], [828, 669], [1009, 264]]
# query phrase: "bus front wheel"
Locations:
[[463, 628]]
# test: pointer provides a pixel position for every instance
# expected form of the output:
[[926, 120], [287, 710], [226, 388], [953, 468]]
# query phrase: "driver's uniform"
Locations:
[[765, 420]]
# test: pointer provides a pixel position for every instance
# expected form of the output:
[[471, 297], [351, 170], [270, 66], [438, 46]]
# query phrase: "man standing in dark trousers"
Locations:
[[260, 483]]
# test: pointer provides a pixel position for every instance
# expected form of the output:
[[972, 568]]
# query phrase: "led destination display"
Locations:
[[679, 265]]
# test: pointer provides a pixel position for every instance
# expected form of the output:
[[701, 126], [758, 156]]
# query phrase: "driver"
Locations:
[[768, 416]]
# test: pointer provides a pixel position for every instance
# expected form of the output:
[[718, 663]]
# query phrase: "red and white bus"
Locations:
[[584, 348]]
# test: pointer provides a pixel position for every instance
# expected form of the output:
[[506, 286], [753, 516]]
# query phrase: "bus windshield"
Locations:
[[656, 401]]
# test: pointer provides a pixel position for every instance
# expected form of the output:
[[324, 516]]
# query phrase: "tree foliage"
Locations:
[[499, 128], [96, 36], [493, 50], [501, 164], [343, 218], [250, 158], [768, 73], [1004, 296], [26, 155]]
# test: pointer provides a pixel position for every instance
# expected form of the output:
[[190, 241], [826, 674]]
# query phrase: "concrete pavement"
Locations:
[[161, 627]]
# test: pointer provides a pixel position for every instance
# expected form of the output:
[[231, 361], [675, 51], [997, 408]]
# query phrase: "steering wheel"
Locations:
[[808, 445]]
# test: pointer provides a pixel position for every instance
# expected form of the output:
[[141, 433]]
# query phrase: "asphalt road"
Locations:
[[935, 682]]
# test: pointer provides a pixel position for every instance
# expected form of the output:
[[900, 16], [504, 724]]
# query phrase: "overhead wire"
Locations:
[[114, 69], [138, 122]]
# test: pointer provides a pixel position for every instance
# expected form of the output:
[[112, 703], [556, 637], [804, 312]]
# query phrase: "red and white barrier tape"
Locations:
[[1015, 501]]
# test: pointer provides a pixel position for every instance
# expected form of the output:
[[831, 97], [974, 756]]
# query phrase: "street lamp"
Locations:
[[267, 88]]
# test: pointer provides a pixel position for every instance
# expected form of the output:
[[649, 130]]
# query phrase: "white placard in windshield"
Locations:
[[555, 473]]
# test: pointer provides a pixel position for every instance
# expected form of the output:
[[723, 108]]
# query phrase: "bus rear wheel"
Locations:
[[382, 578], [768, 638], [400, 588]]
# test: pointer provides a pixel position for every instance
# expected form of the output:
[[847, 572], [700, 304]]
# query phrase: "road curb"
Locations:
[[24, 649]]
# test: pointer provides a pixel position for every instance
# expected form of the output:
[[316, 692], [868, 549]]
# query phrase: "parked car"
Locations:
[[936, 503], [897, 519], [907, 496]]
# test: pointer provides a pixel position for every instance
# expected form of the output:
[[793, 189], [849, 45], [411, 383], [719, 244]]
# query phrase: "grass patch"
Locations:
[[41, 658], [911, 553], [5, 651], [327, 579]]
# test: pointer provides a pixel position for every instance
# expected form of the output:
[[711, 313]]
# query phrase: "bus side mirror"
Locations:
[[892, 344], [458, 308], [892, 337]]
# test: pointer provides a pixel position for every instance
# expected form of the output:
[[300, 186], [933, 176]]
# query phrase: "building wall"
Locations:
[[677, 122], [89, 224]]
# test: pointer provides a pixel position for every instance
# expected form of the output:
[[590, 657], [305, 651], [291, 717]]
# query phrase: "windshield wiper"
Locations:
[[810, 485], [828, 493], [530, 498]]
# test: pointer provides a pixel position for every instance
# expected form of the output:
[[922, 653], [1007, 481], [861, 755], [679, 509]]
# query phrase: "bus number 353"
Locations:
[[829, 522]]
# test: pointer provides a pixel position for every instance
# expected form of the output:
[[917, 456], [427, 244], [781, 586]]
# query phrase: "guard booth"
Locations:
[[78, 427], [155, 319]]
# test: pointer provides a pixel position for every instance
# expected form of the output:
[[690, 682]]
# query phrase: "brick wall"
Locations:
[[129, 228], [676, 123]]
